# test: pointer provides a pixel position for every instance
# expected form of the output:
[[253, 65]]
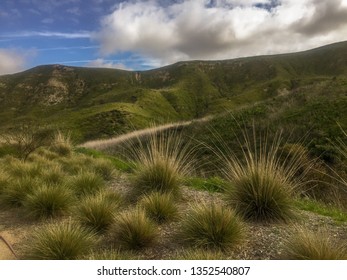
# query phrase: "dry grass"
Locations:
[[212, 226], [307, 245], [161, 162], [262, 181]]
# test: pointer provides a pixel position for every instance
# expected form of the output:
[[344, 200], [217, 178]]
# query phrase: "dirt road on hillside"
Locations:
[[106, 143]]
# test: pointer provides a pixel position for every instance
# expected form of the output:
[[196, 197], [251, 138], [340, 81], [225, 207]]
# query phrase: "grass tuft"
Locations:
[[62, 144], [60, 241], [211, 226], [161, 161], [159, 207], [86, 183], [306, 245], [48, 202], [262, 183], [134, 230], [97, 212]]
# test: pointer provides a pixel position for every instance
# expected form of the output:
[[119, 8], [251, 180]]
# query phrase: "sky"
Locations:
[[141, 35]]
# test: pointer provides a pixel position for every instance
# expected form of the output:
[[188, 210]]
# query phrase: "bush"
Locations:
[[97, 212], [48, 202], [133, 230], [306, 245], [86, 183], [262, 184], [211, 226], [159, 207], [59, 241]]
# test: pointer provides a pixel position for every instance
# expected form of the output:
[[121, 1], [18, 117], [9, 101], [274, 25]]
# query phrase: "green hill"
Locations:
[[98, 103]]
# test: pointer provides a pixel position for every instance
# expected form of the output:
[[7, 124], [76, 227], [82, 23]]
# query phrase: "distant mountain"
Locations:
[[95, 103]]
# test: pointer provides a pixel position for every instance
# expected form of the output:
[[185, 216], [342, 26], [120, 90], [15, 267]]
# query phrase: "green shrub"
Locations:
[[59, 241], [97, 212], [86, 183], [48, 202], [211, 226], [306, 245], [159, 206], [133, 230]]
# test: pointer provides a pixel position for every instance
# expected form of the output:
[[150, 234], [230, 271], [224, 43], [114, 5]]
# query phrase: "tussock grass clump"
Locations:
[[16, 191], [262, 182], [111, 254], [48, 202], [62, 144], [53, 175], [4, 180], [133, 230], [160, 207], [97, 212], [18, 169], [307, 245], [86, 183], [212, 226], [59, 241], [160, 161], [104, 168]]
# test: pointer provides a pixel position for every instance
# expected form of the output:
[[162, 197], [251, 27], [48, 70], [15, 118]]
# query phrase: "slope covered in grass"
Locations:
[[99, 103]]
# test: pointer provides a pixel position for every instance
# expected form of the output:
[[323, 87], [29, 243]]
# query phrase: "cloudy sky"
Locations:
[[134, 34]]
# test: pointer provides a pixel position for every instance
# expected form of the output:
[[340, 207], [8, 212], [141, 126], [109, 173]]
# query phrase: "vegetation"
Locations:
[[97, 212], [262, 186], [133, 230], [306, 245], [144, 193], [211, 226], [159, 207], [60, 241], [160, 164], [48, 201]]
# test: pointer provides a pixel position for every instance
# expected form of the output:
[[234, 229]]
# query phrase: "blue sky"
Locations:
[[148, 34]]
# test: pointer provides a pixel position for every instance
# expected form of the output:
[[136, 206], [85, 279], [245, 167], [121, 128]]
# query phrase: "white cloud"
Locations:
[[220, 29], [11, 61], [101, 63]]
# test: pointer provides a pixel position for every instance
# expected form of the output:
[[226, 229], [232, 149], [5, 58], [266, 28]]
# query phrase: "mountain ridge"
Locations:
[[97, 103]]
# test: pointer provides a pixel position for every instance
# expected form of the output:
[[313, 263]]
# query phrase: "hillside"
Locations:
[[99, 103]]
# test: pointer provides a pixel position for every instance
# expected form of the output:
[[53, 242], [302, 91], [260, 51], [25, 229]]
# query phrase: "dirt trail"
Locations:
[[106, 143]]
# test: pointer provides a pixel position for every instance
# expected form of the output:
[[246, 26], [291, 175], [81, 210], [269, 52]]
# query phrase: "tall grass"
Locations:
[[16, 191], [133, 230], [262, 181], [159, 207], [48, 202], [97, 212], [307, 245], [212, 226], [161, 161], [62, 144], [59, 241], [86, 183]]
